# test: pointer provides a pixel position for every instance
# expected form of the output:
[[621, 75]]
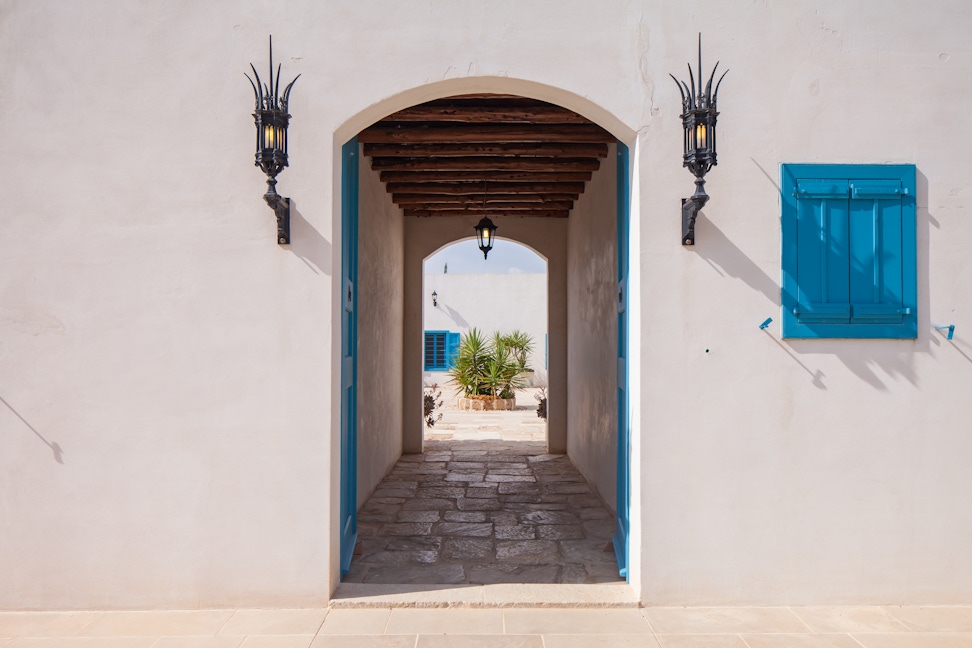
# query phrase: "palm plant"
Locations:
[[520, 345], [490, 367], [468, 369]]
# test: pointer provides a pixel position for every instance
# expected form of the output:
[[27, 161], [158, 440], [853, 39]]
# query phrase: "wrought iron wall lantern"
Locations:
[[271, 120], [485, 229], [435, 299], [699, 142]]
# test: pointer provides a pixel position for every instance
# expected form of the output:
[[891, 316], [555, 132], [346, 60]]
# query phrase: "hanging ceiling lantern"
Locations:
[[485, 233], [485, 230]]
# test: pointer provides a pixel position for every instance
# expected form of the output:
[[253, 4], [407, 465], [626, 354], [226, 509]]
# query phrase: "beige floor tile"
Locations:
[[723, 620], [701, 641], [279, 641], [364, 641], [43, 624], [479, 641], [365, 622], [599, 641], [362, 595], [848, 619], [198, 642], [574, 621], [445, 621], [934, 618], [171, 623], [916, 640], [82, 642], [274, 622], [800, 641], [561, 595]]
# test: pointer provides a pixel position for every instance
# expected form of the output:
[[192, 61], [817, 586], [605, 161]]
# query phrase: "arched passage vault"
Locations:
[[547, 237], [422, 234]]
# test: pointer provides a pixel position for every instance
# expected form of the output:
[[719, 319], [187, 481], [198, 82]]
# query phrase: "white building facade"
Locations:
[[171, 377], [490, 303]]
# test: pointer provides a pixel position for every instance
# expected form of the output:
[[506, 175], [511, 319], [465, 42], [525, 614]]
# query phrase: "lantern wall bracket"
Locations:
[[281, 208], [690, 211]]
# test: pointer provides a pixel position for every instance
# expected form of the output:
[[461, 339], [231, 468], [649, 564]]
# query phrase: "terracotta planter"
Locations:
[[476, 404]]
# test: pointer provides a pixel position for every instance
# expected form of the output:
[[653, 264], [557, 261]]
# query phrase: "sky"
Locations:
[[506, 257]]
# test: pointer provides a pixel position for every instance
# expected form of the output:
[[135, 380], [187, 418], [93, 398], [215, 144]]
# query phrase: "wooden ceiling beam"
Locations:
[[485, 163], [460, 149], [480, 114], [391, 132], [482, 176], [473, 206], [410, 199], [560, 213], [474, 188]]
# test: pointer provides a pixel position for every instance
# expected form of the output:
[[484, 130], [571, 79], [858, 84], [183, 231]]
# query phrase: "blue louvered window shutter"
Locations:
[[452, 349], [441, 349], [849, 251]]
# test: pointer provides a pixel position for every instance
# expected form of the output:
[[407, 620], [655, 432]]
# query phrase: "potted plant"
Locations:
[[487, 371]]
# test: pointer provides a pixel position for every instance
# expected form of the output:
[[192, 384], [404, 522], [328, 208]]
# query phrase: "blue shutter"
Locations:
[[821, 230], [435, 350], [876, 262], [452, 349], [849, 251]]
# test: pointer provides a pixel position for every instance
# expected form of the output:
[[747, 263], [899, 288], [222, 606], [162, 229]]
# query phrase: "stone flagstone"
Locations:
[[481, 507]]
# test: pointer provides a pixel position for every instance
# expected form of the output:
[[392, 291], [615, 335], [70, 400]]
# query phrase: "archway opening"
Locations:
[[428, 173], [485, 341]]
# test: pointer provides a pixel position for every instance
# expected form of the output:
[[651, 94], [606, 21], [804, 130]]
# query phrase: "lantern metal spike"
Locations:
[[271, 119], [699, 117]]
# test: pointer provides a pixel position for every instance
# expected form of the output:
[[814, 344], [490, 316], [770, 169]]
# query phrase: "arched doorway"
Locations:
[[539, 177], [504, 294]]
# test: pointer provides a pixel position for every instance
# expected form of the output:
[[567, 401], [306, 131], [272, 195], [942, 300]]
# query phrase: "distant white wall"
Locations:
[[592, 331], [490, 302], [380, 311]]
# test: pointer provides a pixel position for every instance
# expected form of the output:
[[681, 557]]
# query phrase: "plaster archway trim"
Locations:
[[472, 237], [484, 84], [517, 237]]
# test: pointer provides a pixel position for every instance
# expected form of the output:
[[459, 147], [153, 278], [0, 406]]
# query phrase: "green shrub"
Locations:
[[490, 366]]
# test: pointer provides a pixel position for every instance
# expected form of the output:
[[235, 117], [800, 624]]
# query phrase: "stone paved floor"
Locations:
[[484, 504]]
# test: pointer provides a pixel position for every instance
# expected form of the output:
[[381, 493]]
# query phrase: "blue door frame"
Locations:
[[622, 525], [349, 345]]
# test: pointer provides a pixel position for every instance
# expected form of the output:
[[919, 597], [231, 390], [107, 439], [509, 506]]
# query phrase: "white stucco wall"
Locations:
[[167, 371], [592, 331], [489, 302], [380, 309]]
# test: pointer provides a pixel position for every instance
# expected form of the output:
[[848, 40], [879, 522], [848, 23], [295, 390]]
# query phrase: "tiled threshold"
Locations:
[[498, 595]]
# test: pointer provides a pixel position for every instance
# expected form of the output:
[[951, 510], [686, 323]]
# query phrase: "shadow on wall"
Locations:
[[454, 315], [308, 244], [56, 449], [728, 260]]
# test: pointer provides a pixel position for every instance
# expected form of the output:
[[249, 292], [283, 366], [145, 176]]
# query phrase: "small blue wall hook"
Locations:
[[951, 330], [765, 323]]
